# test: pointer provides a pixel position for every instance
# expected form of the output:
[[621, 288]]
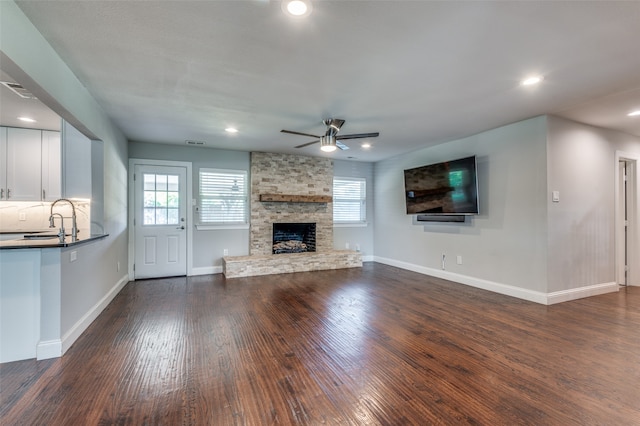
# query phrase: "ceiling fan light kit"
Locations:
[[328, 143]]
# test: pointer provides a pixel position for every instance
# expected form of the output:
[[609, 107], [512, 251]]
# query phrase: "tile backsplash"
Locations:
[[34, 215]]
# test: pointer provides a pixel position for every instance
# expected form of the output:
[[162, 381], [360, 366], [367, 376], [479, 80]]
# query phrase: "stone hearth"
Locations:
[[248, 266]]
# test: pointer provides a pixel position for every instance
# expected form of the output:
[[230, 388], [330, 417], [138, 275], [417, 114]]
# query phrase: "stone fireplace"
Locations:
[[294, 238], [290, 190], [285, 174]]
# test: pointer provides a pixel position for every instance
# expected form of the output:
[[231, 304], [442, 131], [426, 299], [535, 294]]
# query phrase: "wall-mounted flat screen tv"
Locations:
[[450, 187]]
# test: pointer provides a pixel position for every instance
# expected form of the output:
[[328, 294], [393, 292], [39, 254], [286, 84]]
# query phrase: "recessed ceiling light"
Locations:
[[634, 113], [297, 8], [530, 81], [27, 119], [231, 130], [366, 145]]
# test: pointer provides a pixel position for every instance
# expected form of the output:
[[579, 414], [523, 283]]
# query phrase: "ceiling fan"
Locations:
[[330, 141]]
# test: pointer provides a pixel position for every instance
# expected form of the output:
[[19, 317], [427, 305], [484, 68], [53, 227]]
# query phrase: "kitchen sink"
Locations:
[[43, 236]]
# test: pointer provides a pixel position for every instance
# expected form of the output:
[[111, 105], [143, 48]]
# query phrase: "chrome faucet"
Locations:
[[74, 225], [52, 225]]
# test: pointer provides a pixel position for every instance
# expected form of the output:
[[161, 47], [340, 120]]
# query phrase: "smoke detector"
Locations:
[[195, 143]]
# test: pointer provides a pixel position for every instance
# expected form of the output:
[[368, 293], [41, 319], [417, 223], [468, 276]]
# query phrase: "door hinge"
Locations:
[[134, 267], [134, 177]]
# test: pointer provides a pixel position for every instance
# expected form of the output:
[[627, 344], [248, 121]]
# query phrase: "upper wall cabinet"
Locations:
[[21, 152], [76, 163], [51, 166], [3, 163], [30, 164]]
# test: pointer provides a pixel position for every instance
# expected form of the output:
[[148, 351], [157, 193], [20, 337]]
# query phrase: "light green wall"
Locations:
[[27, 57], [582, 167], [502, 248]]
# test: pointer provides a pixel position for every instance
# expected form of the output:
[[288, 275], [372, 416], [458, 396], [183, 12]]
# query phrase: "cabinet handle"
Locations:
[[44, 195], [1, 193], [8, 193]]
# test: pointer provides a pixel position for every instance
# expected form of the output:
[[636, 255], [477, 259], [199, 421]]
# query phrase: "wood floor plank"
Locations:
[[371, 346]]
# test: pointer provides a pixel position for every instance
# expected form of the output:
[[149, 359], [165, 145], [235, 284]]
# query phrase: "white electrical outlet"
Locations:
[[443, 259], [22, 216], [118, 266], [346, 245], [459, 260], [73, 256], [357, 247], [225, 252]]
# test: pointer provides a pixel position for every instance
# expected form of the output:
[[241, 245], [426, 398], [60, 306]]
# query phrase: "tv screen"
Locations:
[[449, 187]]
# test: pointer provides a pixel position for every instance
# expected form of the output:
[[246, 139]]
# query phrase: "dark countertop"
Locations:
[[24, 231], [50, 242]]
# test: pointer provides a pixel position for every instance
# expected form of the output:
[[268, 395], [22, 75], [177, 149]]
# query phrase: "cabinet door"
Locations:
[[24, 164], [51, 166], [3, 163], [76, 163]]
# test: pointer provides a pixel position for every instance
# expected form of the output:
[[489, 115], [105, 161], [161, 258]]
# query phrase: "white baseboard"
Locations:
[[49, 349], [369, 258], [206, 270], [580, 292], [79, 327], [508, 290]]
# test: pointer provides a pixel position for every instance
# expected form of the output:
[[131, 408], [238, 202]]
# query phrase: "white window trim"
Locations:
[[363, 200], [350, 224], [210, 227], [224, 225]]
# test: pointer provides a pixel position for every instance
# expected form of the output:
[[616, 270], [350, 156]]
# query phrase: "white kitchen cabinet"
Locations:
[[76, 163], [23, 164], [3, 163], [51, 165], [30, 164]]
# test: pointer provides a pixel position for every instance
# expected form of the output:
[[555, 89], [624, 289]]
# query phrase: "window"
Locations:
[[349, 200], [223, 197], [161, 199]]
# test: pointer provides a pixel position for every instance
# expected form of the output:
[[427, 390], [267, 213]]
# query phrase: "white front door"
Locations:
[[160, 224]]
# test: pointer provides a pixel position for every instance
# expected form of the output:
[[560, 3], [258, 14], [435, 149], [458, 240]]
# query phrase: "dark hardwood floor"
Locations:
[[371, 346]]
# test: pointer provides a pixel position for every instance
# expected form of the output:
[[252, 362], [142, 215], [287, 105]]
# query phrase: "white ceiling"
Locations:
[[418, 72]]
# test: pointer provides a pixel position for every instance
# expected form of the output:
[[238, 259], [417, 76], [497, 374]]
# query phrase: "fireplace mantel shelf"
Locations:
[[289, 198]]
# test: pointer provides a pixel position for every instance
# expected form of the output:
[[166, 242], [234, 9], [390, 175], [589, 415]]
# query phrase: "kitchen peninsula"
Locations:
[[35, 274]]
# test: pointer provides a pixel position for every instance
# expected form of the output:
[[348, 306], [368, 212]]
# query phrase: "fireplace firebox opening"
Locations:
[[294, 237]]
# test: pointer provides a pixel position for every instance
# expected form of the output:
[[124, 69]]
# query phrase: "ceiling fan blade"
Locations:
[[299, 133], [341, 145], [306, 144], [359, 136]]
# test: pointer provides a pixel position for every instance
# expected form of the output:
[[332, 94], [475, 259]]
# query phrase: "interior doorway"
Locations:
[[627, 237]]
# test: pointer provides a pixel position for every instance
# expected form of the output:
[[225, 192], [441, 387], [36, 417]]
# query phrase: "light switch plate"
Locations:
[[555, 196]]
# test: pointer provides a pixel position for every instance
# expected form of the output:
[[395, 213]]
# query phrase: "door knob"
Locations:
[[180, 227]]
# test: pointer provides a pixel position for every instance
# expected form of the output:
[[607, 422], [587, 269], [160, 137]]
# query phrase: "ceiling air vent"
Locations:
[[18, 90], [198, 143]]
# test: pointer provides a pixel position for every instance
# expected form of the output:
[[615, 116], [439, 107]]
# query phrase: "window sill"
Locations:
[[221, 227], [351, 225]]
